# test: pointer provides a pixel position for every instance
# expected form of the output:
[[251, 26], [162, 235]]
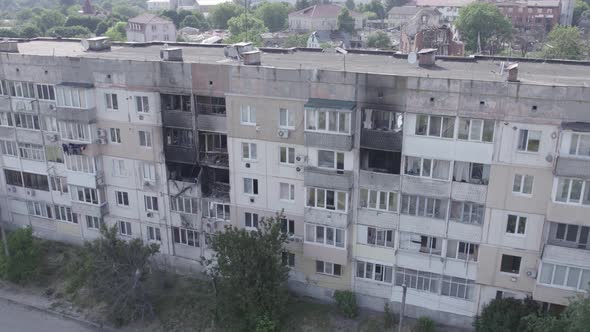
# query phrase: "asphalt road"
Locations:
[[17, 318]]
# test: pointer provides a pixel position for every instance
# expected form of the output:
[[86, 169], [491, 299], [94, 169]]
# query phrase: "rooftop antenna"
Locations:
[[343, 52]]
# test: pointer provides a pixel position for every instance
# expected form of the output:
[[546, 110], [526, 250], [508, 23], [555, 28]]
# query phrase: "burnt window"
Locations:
[[210, 105], [176, 103], [179, 137], [380, 161], [14, 178]]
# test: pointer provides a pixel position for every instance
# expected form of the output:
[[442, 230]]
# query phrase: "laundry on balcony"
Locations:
[[73, 149]]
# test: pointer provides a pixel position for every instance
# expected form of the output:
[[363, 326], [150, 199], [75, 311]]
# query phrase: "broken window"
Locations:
[[380, 161], [178, 103], [474, 173], [210, 105], [382, 120], [179, 137]]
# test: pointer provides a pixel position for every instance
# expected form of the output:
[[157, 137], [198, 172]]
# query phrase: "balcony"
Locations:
[[215, 184], [213, 149], [80, 115], [5, 104], [379, 181], [90, 210], [329, 141], [212, 122], [420, 186], [381, 140], [572, 167], [567, 256], [463, 191], [329, 179], [326, 254], [326, 217]]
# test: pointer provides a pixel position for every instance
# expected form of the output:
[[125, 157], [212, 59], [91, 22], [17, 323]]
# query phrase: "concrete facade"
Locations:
[[456, 187]]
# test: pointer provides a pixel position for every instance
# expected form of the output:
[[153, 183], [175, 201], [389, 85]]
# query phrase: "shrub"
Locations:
[[346, 303], [424, 324], [265, 324], [505, 315], [389, 318], [22, 264]]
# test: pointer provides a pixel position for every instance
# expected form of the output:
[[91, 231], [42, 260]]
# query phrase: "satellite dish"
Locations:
[[412, 58], [85, 44]]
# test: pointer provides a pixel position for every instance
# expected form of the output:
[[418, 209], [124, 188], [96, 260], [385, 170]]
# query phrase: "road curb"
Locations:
[[60, 314]]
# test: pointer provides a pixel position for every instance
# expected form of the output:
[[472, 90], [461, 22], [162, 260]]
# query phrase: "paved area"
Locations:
[[17, 318]]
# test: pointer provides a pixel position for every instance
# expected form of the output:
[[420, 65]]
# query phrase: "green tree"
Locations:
[[394, 3], [379, 39], [117, 32], [246, 25], [301, 4], [69, 32], [89, 22], [485, 22], [252, 258], [564, 43], [505, 315], [579, 8], [350, 4], [172, 15], [273, 15], [221, 14], [30, 31], [197, 21], [376, 7], [23, 263], [50, 19], [101, 28], [298, 40], [8, 33], [575, 318], [345, 21], [25, 15], [124, 12]]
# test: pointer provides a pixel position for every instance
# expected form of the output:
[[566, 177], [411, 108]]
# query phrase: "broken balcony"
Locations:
[[211, 113], [213, 149], [176, 111], [382, 130], [215, 184], [380, 169]]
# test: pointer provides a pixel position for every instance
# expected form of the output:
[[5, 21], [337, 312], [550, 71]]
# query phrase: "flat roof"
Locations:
[[483, 69]]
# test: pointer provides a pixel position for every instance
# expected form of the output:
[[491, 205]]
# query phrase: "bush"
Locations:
[[505, 315], [424, 324], [69, 32], [346, 303], [23, 263], [389, 318], [265, 324]]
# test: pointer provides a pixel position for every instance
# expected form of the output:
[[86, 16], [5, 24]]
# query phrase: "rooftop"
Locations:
[[328, 10], [403, 10], [149, 18], [570, 73], [442, 3]]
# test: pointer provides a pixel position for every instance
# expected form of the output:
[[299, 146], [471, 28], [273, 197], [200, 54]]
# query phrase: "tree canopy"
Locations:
[[505, 315], [580, 7], [197, 21], [117, 32], [575, 318], [69, 32], [221, 14], [564, 43], [379, 39], [302, 4], [273, 15], [485, 22], [394, 3], [345, 21]]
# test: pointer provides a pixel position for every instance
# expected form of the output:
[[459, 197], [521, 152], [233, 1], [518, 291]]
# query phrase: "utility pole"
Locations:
[[401, 312], [4, 242]]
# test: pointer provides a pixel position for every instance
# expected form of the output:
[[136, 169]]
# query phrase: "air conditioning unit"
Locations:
[[531, 274], [252, 199], [283, 133], [301, 159], [12, 189], [258, 128], [299, 169], [30, 192], [150, 214]]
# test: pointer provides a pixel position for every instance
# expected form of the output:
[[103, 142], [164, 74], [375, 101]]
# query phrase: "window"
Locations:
[[324, 235], [93, 222], [40, 209], [115, 135], [112, 103], [383, 120], [436, 126], [476, 130], [374, 272], [211, 105], [149, 172], [522, 184], [328, 121], [510, 264], [565, 276], [71, 97], [287, 192], [21, 89], [421, 243], [216, 210], [184, 204], [119, 168], [250, 186], [54, 154], [429, 168], [287, 155], [124, 228], [85, 195], [378, 200], [36, 181], [31, 151], [327, 199], [153, 234], [458, 287], [288, 226], [380, 237], [26, 121], [14, 178], [247, 115], [424, 206], [574, 236], [6, 119], [122, 198], [74, 131], [580, 145], [151, 203], [45, 92], [142, 104], [332, 269], [179, 137], [331, 159], [516, 225], [286, 119], [529, 140], [8, 148], [462, 250], [467, 212], [423, 281], [473, 173], [145, 139], [64, 213], [176, 103], [80, 163], [50, 124], [251, 220], [574, 191], [249, 151], [58, 183], [288, 258]]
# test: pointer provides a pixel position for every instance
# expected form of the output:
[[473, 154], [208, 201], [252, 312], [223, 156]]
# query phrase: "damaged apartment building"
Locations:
[[466, 181]]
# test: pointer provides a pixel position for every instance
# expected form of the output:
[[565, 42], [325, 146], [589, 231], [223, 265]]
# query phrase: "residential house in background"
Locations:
[[530, 15], [323, 17], [149, 27], [400, 15], [428, 30], [158, 5], [448, 8]]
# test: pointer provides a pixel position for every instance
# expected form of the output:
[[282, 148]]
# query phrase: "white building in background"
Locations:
[[158, 5], [149, 27]]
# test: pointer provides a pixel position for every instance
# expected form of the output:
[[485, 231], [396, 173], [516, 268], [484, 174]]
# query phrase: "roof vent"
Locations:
[[512, 72], [96, 44], [427, 57], [171, 54], [251, 58], [245, 52], [8, 46]]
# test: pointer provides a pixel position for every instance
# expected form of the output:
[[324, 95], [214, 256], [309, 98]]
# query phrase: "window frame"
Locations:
[[471, 129], [518, 220], [249, 151], [111, 101], [324, 235], [254, 185], [125, 228], [366, 195], [326, 271], [289, 117], [325, 193], [527, 140], [518, 184], [122, 198], [370, 274], [287, 161], [519, 264], [429, 125], [247, 115], [147, 139], [142, 105], [312, 121], [290, 190]]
